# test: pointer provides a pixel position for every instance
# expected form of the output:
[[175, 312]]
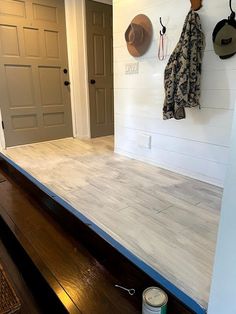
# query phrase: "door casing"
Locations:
[[76, 33]]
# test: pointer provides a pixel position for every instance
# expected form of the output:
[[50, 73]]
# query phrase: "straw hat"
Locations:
[[138, 35]]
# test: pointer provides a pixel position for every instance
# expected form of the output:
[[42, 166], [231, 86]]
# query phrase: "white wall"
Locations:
[[223, 290], [197, 146]]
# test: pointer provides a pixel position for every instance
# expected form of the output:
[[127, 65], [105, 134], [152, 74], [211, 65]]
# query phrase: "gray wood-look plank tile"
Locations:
[[168, 220]]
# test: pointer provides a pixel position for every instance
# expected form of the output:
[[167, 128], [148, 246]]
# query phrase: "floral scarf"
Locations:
[[183, 70]]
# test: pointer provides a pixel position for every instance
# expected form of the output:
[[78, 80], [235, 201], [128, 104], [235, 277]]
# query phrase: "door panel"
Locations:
[[14, 8], [100, 105], [50, 86], [52, 119], [45, 12], [31, 40], [19, 86], [100, 68], [99, 54], [24, 122], [52, 44], [35, 103]]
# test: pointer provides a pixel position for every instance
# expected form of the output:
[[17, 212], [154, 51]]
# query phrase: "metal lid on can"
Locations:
[[155, 297]]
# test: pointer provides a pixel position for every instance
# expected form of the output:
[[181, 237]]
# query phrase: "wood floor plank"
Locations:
[[28, 303], [77, 274], [168, 220]]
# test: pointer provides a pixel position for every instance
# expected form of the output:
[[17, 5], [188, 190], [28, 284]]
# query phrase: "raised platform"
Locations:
[[164, 223], [63, 267]]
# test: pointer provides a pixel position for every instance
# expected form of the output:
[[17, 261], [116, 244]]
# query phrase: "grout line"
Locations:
[[163, 210]]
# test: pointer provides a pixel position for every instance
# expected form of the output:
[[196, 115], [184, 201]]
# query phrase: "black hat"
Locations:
[[224, 38]]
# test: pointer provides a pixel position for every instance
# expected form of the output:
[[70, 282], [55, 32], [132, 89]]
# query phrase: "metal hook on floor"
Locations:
[[130, 291]]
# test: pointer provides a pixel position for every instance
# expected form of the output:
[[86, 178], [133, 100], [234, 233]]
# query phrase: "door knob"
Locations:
[[92, 81], [66, 83]]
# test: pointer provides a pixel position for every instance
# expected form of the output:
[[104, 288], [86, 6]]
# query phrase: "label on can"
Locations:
[[154, 301], [161, 310]]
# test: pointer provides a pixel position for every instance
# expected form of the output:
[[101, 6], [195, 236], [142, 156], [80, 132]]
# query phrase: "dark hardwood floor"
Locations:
[[29, 304], [62, 258]]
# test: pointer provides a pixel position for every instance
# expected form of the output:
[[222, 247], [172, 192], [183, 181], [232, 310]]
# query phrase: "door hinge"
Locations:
[[3, 126]]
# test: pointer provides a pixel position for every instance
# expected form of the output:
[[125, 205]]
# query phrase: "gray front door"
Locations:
[[35, 102], [100, 68]]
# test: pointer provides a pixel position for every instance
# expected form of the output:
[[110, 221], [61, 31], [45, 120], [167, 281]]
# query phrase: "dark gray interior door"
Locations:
[[100, 68], [35, 102]]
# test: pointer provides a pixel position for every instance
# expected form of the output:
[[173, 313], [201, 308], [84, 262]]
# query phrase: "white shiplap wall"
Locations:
[[197, 146]]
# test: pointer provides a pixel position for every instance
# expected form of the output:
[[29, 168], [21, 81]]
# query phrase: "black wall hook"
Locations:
[[232, 15], [163, 31]]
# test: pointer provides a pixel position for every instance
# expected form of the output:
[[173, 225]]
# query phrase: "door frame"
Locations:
[[75, 13], [78, 65]]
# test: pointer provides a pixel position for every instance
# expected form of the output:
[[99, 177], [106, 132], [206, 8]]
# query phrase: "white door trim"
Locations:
[[78, 71]]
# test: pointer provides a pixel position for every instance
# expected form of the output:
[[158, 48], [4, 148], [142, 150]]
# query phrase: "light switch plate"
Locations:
[[132, 68]]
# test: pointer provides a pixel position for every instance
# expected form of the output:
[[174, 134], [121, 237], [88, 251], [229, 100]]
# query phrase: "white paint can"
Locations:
[[154, 301]]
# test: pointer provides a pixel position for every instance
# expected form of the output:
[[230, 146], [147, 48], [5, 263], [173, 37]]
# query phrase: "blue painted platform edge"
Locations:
[[183, 297]]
